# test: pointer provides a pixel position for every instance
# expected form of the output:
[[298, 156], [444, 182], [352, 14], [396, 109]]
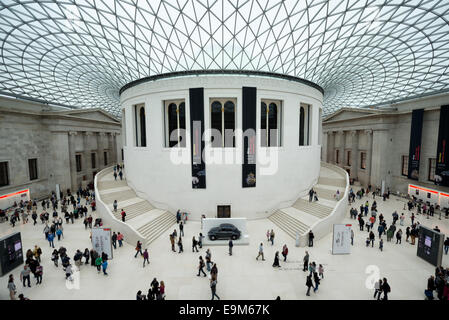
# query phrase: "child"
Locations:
[[381, 244], [367, 241], [321, 271]]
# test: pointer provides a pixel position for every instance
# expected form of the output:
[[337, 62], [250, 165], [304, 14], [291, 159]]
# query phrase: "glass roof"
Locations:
[[80, 53]]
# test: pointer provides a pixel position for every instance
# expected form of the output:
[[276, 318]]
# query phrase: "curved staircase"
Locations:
[[303, 215], [147, 221]]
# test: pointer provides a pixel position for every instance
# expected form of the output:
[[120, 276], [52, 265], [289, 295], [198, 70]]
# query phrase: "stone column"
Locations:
[[354, 154], [112, 148], [341, 149], [87, 164], [369, 154], [100, 151], [72, 160], [330, 147]]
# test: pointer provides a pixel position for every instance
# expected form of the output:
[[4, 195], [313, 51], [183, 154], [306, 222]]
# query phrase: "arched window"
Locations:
[[222, 118], [140, 126], [175, 123], [270, 123]]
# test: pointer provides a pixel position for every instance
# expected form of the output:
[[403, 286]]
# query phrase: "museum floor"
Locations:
[[240, 276]]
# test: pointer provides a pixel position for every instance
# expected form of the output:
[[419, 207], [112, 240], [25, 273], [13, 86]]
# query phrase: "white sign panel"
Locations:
[[101, 241], [341, 242]]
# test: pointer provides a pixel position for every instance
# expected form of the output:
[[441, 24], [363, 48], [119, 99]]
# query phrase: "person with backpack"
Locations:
[[138, 249], [123, 214], [386, 289]]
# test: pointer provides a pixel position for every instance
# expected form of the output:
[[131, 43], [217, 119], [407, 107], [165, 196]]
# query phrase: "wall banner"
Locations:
[[249, 112], [101, 241], [442, 166], [196, 96], [341, 239], [415, 144]]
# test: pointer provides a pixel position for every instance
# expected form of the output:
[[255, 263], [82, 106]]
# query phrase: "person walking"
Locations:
[[55, 257], [268, 235], [115, 204], [446, 245], [352, 237], [181, 229], [214, 272], [272, 237], [260, 252], [385, 288], [123, 214], [381, 245], [98, 262], [371, 238], [104, 266], [86, 256], [208, 259], [25, 275], [37, 252], [378, 289], [213, 288], [145, 257], [321, 271], [12, 287], [200, 240], [138, 249], [194, 244], [285, 252], [201, 267], [180, 245], [399, 236], [305, 261], [39, 273], [309, 284], [172, 242], [311, 236], [114, 240], [276, 260], [230, 244], [316, 279], [120, 239]]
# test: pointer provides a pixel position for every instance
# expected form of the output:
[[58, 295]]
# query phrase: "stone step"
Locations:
[[134, 210], [146, 229], [312, 208], [325, 193], [337, 182], [156, 228], [288, 224], [105, 185], [119, 196]]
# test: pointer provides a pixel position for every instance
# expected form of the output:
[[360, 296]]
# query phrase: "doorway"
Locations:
[[223, 211]]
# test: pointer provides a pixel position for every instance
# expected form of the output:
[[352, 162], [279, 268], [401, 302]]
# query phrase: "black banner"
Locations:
[[442, 167], [415, 144], [249, 112], [196, 96]]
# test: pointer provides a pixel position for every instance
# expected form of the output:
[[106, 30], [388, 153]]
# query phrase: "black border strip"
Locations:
[[218, 72]]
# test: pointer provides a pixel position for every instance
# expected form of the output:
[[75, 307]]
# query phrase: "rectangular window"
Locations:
[[304, 123], [78, 163], [404, 166], [175, 123], [222, 122], [93, 159], [432, 166], [4, 173], [348, 158], [124, 127], [270, 123], [105, 157], [337, 156], [362, 160], [32, 166]]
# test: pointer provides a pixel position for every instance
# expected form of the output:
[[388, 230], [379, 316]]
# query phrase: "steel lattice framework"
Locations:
[[80, 53]]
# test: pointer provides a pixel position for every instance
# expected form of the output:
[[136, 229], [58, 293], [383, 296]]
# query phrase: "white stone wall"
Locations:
[[152, 174]]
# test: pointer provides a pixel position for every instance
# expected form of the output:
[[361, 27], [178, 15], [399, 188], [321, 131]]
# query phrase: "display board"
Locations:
[[196, 96], [101, 241], [442, 166], [430, 245], [415, 144], [341, 239], [7, 200], [11, 253], [249, 114]]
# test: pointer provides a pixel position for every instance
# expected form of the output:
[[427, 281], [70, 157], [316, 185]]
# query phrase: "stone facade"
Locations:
[[54, 136], [383, 135]]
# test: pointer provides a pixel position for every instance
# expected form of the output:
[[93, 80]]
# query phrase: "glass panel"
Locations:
[[172, 123], [216, 116], [263, 125], [229, 123], [273, 125]]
